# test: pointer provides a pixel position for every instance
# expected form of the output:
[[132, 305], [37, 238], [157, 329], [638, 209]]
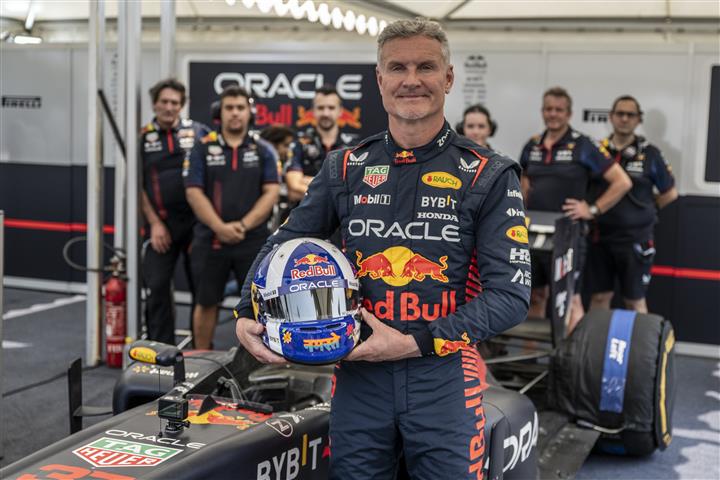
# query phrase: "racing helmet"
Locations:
[[306, 295]]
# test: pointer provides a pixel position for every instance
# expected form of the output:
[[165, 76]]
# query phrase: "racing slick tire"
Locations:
[[615, 373]]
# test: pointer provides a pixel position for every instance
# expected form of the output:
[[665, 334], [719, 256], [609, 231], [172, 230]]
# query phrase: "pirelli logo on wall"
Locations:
[[596, 115], [24, 102]]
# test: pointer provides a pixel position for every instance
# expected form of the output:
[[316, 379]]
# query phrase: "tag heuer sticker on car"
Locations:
[[112, 452], [375, 176]]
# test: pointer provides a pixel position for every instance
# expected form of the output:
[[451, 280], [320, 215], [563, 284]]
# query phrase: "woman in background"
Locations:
[[477, 125]]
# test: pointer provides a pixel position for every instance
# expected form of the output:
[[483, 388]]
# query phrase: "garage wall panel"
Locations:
[[36, 105], [509, 83], [657, 80]]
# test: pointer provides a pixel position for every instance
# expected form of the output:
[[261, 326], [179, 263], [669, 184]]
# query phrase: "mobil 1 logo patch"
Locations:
[[372, 199]]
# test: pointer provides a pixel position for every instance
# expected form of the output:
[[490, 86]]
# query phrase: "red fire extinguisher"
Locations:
[[115, 314]]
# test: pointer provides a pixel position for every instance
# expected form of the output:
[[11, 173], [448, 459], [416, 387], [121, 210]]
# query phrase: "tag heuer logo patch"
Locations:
[[375, 176], [110, 452]]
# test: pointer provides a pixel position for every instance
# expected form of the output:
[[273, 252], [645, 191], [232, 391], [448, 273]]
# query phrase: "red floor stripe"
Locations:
[[52, 226], [691, 273]]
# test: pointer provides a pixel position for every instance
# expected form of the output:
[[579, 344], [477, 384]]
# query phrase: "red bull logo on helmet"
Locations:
[[398, 266], [314, 268]]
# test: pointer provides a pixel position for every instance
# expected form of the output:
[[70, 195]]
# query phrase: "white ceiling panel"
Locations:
[[535, 9], [48, 10], [697, 8], [428, 8]]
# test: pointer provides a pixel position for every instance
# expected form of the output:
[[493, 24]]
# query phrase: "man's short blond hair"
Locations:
[[559, 92], [413, 28]]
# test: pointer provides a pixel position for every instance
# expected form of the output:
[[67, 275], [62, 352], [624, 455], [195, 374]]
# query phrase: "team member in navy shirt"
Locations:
[[622, 244], [164, 144], [314, 143], [231, 181], [557, 168]]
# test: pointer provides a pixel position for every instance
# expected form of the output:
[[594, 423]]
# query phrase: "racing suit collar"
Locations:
[[437, 145]]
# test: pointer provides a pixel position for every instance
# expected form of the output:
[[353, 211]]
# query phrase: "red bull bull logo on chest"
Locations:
[[398, 266]]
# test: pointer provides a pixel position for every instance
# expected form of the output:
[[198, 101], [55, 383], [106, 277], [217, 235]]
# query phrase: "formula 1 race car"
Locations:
[[549, 400], [221, 415]]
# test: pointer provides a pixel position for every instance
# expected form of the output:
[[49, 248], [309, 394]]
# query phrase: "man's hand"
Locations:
[[248, 331], [385, 343], [160, 238], [230, 232], [577, 209]]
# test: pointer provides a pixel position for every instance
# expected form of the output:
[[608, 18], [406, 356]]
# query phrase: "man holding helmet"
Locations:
[[429, 219]]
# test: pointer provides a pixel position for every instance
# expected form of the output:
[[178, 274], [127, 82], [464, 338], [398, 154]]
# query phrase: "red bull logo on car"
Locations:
[[398, 266], [224, 414]]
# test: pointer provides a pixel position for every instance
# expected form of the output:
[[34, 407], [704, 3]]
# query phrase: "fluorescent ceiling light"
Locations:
[[26, 39], [321, 12]]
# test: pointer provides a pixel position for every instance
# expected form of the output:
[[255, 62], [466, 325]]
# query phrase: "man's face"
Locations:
[[235, 114], [556, 112], [167, 107], [625, 117], [413, 78], [326, 109]]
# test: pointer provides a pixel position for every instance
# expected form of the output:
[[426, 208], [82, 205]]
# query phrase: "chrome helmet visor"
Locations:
[[312, 305]]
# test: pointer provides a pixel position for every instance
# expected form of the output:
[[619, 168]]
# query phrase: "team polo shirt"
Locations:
[[563, 171], [163, 153], [634, 216], [231, 178]]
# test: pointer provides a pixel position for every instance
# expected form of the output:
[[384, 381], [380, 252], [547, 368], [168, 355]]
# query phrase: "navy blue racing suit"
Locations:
[[436, 237]]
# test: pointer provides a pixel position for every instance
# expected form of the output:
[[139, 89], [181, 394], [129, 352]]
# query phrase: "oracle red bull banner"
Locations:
[[283, 92]]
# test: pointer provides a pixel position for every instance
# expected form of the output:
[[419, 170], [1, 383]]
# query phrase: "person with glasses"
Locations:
[[622, 245], [557, 168]]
